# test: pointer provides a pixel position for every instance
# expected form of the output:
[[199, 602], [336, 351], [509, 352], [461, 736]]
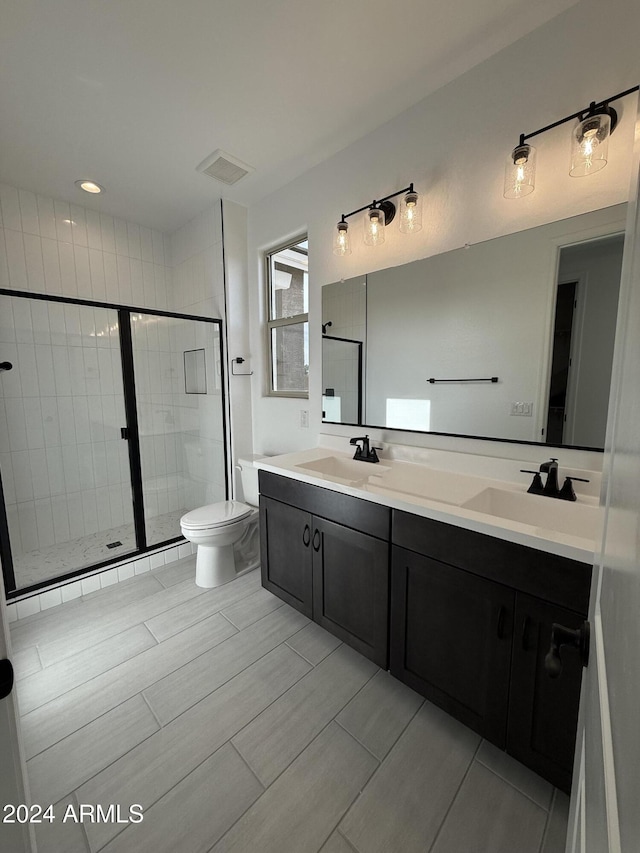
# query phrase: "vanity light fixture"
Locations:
[[379, 214], [90, 187], [589, 146]]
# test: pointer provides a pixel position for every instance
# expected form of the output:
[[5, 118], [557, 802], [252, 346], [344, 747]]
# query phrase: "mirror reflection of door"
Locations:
[[584, 333], [342, 380], [561, 363]]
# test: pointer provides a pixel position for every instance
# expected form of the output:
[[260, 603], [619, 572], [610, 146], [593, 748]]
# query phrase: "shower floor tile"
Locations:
[[54, 561]]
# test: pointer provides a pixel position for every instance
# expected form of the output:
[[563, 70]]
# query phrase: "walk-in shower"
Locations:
[[112, 426]]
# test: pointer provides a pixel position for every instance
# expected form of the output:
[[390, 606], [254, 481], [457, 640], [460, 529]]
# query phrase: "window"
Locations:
[[288, 320]]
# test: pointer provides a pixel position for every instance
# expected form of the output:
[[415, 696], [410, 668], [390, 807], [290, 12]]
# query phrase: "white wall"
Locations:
[[452, 146]]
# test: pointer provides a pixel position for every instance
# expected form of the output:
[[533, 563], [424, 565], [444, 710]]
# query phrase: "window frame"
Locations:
[[271, 324]]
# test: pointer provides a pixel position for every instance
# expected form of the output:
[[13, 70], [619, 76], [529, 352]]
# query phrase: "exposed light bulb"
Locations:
[[589, 145], [520, 172], [411, 213], [374, 227], [341, 245]]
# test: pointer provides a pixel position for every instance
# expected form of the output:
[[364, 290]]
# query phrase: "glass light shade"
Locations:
[[411, 213], [341, 244], [590, 145], [374, 227], [520, 172]]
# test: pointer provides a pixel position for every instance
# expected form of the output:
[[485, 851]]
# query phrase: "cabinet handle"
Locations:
[[306, 536], [316, 543], [501, 616], [525, 633]]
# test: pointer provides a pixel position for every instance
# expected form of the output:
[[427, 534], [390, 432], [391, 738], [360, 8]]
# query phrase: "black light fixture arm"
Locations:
[[592, 108], [377, 202]]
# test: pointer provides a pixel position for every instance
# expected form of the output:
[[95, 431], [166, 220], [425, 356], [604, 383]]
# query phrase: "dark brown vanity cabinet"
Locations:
[[285, 553], [451, 640], [327, 554], [543, 711], [471, 624]]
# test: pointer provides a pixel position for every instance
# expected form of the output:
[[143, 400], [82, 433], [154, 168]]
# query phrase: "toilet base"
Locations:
[[216, 565]]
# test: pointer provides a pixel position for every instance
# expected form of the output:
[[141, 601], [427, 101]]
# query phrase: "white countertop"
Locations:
[[439, 492]]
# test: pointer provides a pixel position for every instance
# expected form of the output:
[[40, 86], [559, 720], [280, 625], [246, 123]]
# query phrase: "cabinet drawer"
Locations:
[[557, 579], [358, 514]]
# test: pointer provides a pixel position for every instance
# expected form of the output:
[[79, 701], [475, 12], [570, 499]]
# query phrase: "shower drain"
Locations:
[[114, 544]]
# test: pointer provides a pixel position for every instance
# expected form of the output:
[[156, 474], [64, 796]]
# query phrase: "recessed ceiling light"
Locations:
[[90, 187]]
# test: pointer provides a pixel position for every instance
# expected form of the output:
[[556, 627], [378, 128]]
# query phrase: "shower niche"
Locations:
[[103, 447]]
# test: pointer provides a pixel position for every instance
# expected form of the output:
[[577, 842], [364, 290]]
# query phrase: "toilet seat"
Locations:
[[215, 515]]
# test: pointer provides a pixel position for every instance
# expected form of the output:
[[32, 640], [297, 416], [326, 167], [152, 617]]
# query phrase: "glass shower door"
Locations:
[[180, 414], [64, 466]]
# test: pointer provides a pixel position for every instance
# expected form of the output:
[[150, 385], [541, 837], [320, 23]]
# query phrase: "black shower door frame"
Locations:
[[132, 436]]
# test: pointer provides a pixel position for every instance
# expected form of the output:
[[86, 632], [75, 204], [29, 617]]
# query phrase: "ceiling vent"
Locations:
[[224, 167]]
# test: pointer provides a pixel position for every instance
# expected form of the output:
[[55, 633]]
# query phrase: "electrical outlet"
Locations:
[[304, 418], [521, 409]]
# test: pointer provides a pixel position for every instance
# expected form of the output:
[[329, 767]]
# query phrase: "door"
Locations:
[[351, 587], [13, 789], [451, 640], [604, 815], [543, 711], [63, 462], [285, 538]]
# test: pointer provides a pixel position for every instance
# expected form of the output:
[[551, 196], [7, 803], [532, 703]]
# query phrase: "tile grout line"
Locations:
[[282, 772], [545, 834], [357, 740], [151, 711], [453, 799], [88, 680], [515, 787]]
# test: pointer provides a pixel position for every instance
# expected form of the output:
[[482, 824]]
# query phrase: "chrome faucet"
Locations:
[[550, 488], [364, 453]]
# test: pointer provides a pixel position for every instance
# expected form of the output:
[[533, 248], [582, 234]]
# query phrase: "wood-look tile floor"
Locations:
[[239, 725]]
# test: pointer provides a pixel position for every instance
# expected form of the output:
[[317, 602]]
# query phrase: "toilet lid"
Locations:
[[215, 515]]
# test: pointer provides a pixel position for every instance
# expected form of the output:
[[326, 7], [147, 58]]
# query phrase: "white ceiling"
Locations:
[[135, 94]]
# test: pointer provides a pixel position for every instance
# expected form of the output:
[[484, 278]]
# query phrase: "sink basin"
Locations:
[[343, 469], [574, 519], [418, 481]]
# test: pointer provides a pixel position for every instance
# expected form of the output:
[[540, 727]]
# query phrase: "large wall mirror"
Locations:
[[508, 339]]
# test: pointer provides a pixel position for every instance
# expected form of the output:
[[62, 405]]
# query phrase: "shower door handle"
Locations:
[[124, 433]]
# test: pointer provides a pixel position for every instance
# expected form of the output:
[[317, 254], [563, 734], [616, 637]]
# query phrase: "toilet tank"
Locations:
[[249, 478]]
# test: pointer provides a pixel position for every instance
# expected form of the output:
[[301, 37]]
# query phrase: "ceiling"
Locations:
[[135, 94]]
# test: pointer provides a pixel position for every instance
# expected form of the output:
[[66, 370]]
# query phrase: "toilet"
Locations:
[[226, 533]]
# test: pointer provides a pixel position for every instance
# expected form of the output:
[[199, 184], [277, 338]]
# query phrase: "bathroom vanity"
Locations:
[[455, 601]]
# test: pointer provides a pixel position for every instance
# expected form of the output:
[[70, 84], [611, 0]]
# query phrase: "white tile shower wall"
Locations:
[[198, 275], [64, 465], [51, 246], [65, 470]]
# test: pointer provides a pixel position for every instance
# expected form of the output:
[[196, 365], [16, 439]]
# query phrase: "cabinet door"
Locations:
[[285, 551], [451, 640], [543, 712], [350, 587]]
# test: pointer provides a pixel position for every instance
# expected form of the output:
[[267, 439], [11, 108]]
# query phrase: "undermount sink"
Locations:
[[574, 519], [344, 469]]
